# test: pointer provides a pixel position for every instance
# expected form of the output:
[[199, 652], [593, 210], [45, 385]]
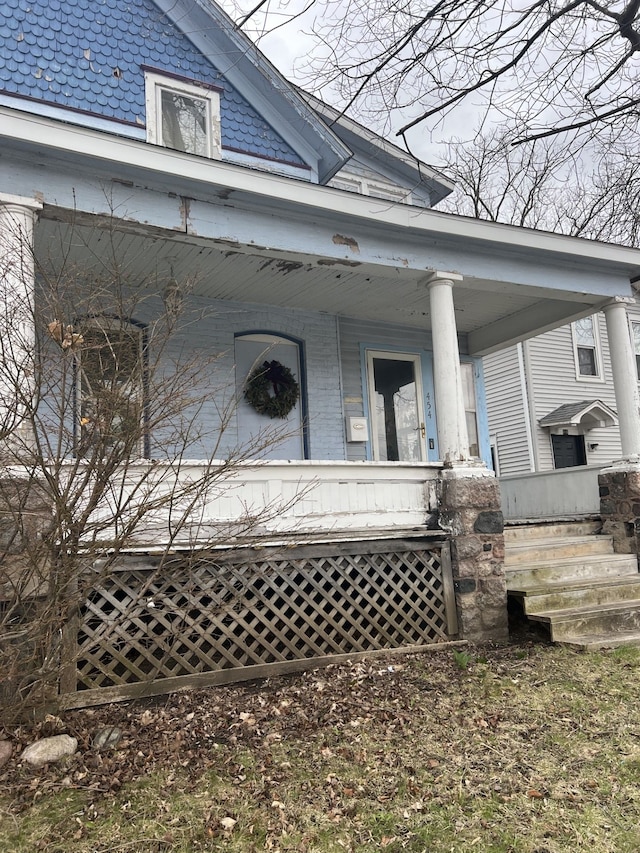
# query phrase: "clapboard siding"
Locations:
[[506, 409], [554, 382], [551, 371], [354, 333]]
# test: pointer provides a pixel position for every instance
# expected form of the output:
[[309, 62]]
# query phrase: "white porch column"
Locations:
[[625, 377], [453, 439], [17, 334]]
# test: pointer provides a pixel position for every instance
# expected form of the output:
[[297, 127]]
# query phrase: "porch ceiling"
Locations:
[[484, 308]]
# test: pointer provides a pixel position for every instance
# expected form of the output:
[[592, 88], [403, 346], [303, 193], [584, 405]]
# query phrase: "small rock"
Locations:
[[49, 749], [5, 752], [107, 738]]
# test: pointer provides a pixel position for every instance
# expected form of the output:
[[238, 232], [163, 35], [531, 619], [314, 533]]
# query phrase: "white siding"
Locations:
[[551, 369], [507, 410], [554, 382]]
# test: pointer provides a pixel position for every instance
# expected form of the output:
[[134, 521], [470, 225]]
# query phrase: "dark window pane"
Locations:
[[587, 361]]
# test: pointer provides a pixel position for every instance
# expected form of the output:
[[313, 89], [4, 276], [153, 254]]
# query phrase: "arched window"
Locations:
[[275, 438], [110, 387]]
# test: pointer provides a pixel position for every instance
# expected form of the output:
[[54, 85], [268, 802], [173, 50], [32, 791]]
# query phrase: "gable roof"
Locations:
[[586, 414], [360, 138], [246, 67], [88, 61]]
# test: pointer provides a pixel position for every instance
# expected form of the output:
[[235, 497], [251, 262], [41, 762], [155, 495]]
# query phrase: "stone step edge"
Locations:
[[515, 530], [555, 540], [567, 561], [570, 613], [574, 586], [592, 642]]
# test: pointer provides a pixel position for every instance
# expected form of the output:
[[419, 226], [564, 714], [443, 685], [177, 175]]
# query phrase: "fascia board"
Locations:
[[360, 137], [185, 173], [251, 73]]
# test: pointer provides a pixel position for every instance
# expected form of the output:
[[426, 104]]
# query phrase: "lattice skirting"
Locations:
[[228, 612]]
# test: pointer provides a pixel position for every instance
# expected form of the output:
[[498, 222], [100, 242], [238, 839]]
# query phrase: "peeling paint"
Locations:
[[340, 240], [329, 262], [221, 241], [185, 213], [286, 267], [224, 194]]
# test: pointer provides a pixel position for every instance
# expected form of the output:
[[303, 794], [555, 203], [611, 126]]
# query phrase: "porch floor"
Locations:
[[566, 576]]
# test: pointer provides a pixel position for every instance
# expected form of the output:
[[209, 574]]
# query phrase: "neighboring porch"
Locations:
[[571, 554]]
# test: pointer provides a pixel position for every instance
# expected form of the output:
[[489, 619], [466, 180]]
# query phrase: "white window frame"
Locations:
[[378, 189], [135, 388], [597, 352], [156, 84], [471, 403], [636, 349]]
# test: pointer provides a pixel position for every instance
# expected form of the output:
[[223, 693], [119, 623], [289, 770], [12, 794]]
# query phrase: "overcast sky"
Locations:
[[288, 46]]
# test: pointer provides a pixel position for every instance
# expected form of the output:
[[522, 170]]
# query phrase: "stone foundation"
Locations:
[[470, 511], [620, 508]]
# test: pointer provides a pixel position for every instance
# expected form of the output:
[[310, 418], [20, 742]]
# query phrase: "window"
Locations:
[[110, 387], [182, 115], [635, 331], [470, 407], [586, 347]]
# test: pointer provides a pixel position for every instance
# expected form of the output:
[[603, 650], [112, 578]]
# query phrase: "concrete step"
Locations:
[[539, 550], [531, 575], [581, 593], [602, 619], [590, 642], [550, 530]]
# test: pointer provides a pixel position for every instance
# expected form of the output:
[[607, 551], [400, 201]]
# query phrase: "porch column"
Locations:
[[17, 334], [620, 483], [625, 377], [450, 415], [468, 493]]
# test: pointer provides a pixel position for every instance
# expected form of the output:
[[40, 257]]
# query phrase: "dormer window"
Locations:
[[183, 115]]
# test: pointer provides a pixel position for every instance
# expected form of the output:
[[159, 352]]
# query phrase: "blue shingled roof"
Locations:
[[89, 56]]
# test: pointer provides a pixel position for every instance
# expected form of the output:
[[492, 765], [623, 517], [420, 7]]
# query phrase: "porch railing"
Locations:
[[272, 499], [551, 494]]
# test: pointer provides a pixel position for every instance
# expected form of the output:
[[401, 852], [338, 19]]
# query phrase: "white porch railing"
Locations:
[[551, 494], [271, 499]]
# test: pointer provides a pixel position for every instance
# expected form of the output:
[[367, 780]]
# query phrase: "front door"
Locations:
[[396, 407], [568, 451]]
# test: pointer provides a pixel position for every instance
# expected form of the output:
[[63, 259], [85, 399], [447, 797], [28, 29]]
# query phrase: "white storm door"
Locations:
[[272, 438], [396, 407]]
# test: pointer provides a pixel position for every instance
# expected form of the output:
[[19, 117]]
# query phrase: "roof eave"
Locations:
[[438, 185]]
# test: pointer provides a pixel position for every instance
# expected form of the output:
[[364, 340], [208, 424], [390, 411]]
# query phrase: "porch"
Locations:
[[348, 286], [571, 554]]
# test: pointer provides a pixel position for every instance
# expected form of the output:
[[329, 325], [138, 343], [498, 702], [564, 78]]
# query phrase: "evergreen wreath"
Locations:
[[272, 389]]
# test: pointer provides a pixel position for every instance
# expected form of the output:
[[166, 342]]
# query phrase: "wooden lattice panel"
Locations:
[[143, 624]]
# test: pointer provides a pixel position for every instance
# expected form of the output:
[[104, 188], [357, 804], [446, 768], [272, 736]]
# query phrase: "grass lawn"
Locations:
[[526, 749]]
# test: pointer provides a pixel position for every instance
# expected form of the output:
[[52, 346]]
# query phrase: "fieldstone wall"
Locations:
[[470, 512], [620, 509]]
